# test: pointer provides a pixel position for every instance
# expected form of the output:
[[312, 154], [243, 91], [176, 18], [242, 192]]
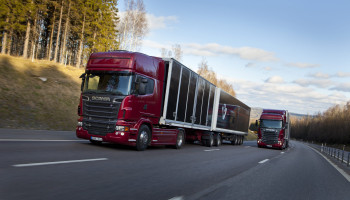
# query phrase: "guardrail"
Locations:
[[337, 154]]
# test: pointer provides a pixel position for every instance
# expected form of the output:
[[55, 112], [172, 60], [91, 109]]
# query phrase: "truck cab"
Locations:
[[273, 129], [121, 92]]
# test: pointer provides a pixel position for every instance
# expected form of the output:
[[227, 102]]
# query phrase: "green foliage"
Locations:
[[332, 126], [99, 18]]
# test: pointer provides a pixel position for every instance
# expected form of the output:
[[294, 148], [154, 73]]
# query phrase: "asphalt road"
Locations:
[[57, 165]]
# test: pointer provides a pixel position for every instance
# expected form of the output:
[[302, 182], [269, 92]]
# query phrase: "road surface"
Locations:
[[57, 165]]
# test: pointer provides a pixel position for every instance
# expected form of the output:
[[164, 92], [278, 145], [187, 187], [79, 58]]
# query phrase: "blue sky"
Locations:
[[278, 54]]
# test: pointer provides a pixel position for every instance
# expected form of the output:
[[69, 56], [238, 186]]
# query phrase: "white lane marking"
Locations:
[[212, 150], [177, 198], [37, 140], [263, 161], [247, 147], [346, 176], [282, 152], [58, 162]]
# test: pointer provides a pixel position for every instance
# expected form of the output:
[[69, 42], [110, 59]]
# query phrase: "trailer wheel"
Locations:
[[233, 141], [210, 141], [143, 138], [236, 139], [217, 141], [180, 139], [241, 140]]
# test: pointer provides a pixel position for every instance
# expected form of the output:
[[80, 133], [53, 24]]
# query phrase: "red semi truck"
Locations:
[[273, 129], [134, 99]]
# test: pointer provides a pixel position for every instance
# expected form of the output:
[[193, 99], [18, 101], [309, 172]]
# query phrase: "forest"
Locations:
[[331, 127], [68, 31]]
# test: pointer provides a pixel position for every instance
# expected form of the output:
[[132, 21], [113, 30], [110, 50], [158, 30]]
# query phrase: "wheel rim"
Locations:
[[143, 137], [219, 140], [211, 141], [179, 140]]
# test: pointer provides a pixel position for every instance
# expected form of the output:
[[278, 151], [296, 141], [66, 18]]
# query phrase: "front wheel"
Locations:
[[180, 139], [143, 138]]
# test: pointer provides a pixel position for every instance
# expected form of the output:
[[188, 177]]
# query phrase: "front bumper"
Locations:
[[117, 137], [276, 145]]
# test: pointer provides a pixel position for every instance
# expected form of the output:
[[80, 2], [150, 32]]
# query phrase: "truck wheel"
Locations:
[[210, 141], [233, 142], [180, 139], [236, 140], [217, 141], [95, 142], [143, 138]]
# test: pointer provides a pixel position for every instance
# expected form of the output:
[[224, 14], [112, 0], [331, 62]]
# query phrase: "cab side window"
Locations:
[[143, 85]]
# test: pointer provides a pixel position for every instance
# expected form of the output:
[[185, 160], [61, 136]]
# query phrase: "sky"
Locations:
[[277, 54]]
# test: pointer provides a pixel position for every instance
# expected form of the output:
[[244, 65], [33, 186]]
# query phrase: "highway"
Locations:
[[57, 165]]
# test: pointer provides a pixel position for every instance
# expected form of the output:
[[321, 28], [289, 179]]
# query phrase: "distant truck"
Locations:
[[134, 99], [273, 129]]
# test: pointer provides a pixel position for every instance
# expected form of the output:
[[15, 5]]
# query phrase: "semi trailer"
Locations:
[[273, 129], [138, 100]]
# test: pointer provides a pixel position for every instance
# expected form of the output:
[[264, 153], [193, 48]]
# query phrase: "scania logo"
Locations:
[[96, 98]]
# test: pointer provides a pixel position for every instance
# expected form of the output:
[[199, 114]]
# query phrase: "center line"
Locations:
[[58, 162], [263, 161], [212, 150]]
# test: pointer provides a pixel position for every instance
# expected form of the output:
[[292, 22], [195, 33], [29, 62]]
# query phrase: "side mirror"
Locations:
[[143, 88], [83, 81]]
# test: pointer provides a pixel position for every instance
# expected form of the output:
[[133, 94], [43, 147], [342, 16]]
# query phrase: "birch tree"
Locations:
[[133, 25]]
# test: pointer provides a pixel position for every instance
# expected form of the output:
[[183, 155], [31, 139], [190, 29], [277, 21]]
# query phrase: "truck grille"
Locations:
[[269, 137], [99, 117]]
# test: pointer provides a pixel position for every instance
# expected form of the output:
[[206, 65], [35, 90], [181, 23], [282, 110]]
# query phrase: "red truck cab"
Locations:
[[273, 129]]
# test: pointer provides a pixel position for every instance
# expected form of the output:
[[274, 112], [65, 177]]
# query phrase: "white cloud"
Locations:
[[344, 87], [320, 75], [274, 79], [302, 65], [267, 68], [295, 98], [160, 22], [342, 74], [248, 65], [321, 83], [246, 53]]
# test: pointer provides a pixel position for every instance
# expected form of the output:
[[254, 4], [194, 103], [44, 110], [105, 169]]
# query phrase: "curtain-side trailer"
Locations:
[[138, 100]]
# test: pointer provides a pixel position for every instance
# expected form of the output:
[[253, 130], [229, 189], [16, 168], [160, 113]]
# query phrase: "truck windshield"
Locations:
[[264, 123], [118, 83]]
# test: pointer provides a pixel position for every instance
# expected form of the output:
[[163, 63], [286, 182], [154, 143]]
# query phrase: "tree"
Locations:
[[58, 33], [133, 26], [177, 52], [210, 75]]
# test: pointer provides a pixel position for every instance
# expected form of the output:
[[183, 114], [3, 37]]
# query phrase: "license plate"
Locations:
[[97, 139], [266, 145]]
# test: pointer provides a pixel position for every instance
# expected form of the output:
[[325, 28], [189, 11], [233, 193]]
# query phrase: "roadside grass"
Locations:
[[38, 95], [251, 136]]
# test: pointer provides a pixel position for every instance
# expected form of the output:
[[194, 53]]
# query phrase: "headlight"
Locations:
[[121, 128], [80, 124]]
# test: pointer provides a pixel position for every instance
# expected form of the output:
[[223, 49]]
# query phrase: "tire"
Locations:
[[180, 139], [233, 142], [236, 140], [210, 141], [217, 141], [143, 138], [95, 142]]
